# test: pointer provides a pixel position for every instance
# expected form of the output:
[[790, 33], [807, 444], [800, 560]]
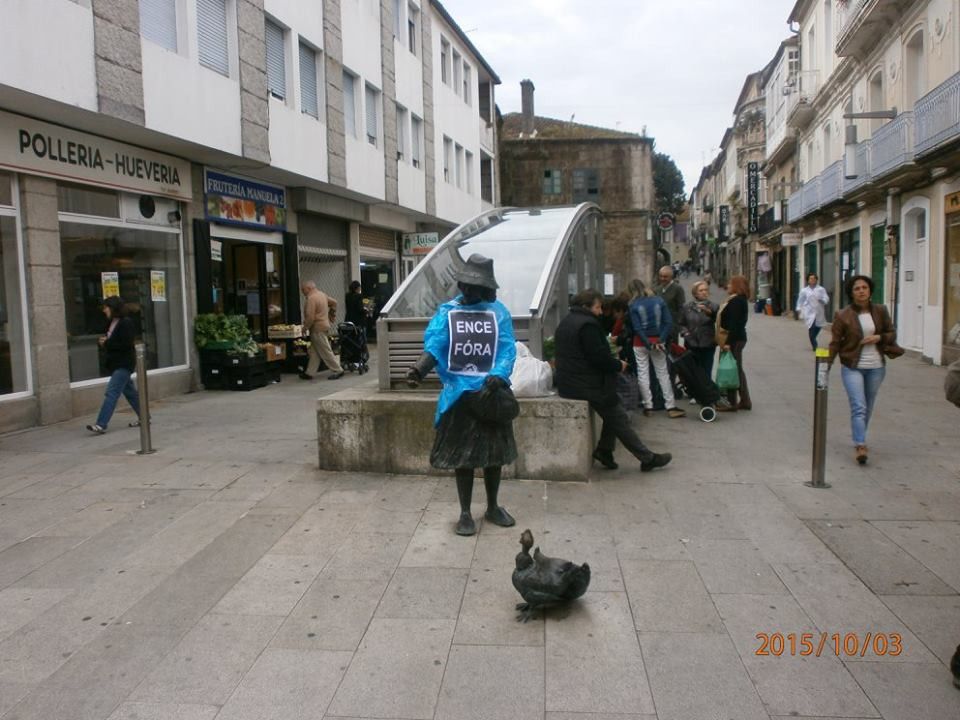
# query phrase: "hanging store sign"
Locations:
[[419, 243], [724, 231], [39, 148], [788, 239], [753, 196], [232, 200]]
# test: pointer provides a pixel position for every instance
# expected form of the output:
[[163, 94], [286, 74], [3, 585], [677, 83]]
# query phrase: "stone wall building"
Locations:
[[544, 161]]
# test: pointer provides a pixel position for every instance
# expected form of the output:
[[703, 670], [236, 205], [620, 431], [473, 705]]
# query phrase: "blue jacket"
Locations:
[[650, 317], [469, 342]]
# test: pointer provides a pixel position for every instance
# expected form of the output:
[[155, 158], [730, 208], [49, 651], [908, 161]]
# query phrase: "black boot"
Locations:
[[495, 514], [655, 460], [465, 525], [605, 458]]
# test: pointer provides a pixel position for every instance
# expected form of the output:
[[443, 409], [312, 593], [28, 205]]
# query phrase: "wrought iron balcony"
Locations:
[[861, 23], [861, 164], [795, 206], [892, 146], [937, 116], [830, 183]]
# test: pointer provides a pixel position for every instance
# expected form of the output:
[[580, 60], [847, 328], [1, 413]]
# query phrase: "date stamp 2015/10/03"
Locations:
[[840, 644]]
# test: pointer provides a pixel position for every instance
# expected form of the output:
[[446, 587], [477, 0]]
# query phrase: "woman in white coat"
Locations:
[[811, 305]]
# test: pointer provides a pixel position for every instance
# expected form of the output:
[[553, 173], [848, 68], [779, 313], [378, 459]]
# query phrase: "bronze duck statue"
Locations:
[[543, 581]]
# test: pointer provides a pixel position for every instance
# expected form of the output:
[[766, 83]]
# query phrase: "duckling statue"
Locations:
[[543, 581]]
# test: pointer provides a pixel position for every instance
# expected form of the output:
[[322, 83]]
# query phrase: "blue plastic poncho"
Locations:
[[469, 342]]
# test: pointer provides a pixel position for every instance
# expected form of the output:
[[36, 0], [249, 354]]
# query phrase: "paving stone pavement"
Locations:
[[226, 578]]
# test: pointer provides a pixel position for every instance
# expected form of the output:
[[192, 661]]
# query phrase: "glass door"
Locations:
[[247, 279]]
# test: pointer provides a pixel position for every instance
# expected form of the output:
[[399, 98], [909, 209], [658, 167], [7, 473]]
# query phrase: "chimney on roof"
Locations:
[[526, 105]]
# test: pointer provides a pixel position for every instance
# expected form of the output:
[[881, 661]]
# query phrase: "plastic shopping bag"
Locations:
[[530, 377], [728, 376]]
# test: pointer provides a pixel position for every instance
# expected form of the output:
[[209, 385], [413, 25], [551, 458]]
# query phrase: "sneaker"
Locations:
[[676, 412], [605, 458], [861, 454], [336, 376], [656, 460], [96, 429]]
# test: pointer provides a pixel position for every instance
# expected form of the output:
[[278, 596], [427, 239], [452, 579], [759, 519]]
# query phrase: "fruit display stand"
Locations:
[[293, 338]]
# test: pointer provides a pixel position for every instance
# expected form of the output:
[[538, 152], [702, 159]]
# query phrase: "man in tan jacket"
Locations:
[[316, 318]]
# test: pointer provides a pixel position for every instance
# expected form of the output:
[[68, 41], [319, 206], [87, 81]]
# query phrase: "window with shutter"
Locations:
[[444, 61], [276, 61], [447, 153], [401, 132], [398, 18], [457, 71], [413, 28], [416, 130], [309, 102], [467, 85], [212, 35], [458, 159], [372, 100], [158, 22], [469, 171], [350, 104]]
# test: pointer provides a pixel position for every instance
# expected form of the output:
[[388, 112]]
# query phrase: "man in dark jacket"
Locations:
[[587, 370]]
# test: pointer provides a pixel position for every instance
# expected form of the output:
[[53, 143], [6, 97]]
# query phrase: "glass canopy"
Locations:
[[524, 246]]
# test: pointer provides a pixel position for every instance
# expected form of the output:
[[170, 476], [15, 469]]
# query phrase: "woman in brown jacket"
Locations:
[[862, 333]]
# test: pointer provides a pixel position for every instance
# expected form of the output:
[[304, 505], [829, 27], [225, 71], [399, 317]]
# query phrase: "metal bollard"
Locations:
[[820, 420], [145, 446]]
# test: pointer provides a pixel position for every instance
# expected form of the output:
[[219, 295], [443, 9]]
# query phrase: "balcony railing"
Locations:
[[861, 20], [795, 206], [830, 182], [892, 145], [937, 116], [811, 196], [801, 89], [861, 164], [854, 9]]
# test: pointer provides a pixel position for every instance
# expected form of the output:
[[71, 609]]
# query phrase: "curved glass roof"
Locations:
[[522, 243]]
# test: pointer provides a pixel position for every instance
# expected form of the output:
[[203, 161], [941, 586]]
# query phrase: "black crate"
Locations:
[[213, 358], [246, 378], [245, 361], [213, 377]]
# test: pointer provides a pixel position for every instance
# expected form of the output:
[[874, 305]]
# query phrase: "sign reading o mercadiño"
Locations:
[[34, 147]]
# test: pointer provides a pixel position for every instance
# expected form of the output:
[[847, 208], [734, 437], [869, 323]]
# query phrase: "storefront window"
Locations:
[[14, 377], [952, 315], [143, 266]]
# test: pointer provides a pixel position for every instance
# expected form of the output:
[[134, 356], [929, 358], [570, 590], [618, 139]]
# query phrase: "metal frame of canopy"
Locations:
[[574, 262]]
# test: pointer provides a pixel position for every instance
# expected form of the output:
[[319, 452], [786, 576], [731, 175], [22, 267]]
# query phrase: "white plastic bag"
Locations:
[[531, 377]]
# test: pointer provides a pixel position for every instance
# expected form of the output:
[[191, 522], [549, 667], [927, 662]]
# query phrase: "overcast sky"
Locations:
[[673, 66]]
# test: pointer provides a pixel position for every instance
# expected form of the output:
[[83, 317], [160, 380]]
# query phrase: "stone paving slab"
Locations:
[[333, 581], [397, 670]]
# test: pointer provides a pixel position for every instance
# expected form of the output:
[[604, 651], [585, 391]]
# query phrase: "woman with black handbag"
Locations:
[[864, 337]]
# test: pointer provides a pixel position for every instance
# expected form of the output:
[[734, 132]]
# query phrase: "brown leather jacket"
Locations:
[[848, 335]]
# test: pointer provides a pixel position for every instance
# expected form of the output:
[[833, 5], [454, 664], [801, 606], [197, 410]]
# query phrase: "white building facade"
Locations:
[[882, 202], [208, 155]]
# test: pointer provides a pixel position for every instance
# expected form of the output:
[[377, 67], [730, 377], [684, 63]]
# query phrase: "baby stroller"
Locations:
[[354, 355], [695, 382]]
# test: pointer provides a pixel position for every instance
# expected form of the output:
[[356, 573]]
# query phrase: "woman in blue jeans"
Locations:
[[862, 333], [120, 360]]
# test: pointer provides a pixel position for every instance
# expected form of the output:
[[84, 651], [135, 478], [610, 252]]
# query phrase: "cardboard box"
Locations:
[[275, 351]]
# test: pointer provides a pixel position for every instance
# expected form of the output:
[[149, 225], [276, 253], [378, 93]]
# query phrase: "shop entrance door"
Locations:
[[913, 279], [378, 282], [248, 280], [828, 275], [877, 259]]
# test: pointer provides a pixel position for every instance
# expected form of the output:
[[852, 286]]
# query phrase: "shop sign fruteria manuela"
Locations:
[[39, 148], [233, 200]]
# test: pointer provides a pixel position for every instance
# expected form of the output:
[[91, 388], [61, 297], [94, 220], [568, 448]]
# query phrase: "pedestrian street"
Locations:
[[225, 577]]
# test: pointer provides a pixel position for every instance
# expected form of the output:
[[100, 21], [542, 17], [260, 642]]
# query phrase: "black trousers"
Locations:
[[616, 426]]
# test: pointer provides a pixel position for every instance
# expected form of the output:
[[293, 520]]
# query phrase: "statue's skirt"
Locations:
[[464, 440]]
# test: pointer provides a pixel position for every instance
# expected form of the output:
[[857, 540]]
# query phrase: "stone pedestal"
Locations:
[[365, 430]]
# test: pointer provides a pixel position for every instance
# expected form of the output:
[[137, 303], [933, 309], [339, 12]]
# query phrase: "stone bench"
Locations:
[[365, 430]]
